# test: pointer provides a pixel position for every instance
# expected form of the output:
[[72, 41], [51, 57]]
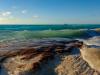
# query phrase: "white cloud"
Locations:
[[6, 13], [24, 11]]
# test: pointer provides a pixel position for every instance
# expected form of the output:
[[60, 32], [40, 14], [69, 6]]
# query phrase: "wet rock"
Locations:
[[31, 58]]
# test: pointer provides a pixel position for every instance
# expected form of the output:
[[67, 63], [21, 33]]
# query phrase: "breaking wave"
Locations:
[[26, 34], [40, 34]]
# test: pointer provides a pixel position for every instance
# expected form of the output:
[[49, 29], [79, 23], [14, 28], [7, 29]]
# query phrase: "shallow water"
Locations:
[[24, 32], [10, 33]]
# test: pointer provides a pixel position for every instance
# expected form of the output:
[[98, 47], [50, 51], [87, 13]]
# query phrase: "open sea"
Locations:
[[25, 32]]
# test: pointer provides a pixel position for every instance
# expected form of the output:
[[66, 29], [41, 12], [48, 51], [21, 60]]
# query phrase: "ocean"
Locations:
[[25, 32], [48, 27]]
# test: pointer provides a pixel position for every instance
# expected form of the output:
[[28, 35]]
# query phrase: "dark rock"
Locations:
[[36, 56]]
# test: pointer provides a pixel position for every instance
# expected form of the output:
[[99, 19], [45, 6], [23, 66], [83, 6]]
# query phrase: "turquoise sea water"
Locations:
[[11, 32], [47, 27]]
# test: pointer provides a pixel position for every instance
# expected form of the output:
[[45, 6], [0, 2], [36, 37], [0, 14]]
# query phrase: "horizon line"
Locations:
[[51, 24]]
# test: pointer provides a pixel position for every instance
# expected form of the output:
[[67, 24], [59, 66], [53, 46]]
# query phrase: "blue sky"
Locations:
[[49, 11]]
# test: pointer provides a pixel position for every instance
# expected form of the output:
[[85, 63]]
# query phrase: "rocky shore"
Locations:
[[44, 58]]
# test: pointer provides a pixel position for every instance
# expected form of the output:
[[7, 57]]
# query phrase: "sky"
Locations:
[[49, 11]]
